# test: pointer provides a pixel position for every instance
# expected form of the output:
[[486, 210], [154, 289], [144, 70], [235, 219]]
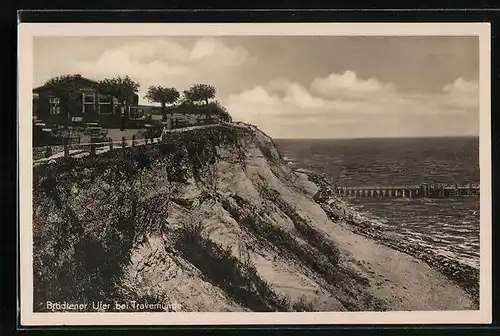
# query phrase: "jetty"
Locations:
[[410, 191]]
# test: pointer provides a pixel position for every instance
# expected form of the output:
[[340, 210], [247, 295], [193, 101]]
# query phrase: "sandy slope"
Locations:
[[404, 282]]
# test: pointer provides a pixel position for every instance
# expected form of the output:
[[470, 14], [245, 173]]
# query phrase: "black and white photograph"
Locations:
[[232, 169]]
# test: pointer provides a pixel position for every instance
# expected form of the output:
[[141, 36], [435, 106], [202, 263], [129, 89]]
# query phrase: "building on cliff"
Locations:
[[91, 106]]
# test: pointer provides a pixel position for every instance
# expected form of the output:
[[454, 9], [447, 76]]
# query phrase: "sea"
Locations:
[[449, 226]]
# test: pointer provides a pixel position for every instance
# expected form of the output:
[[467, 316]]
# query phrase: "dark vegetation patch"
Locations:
[[79, 251], [80, 255], [184, 202], [152, 216], [304, 227], [250, 220], [199, 144], [318, 257], [268, 153], [268, 149], [302, 305], [238, 279], [80, 260]]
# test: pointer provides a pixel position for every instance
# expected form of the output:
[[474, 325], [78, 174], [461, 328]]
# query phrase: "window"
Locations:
[[103, 99], [105, 104], [88, 99], [54, 105], [117, 106]]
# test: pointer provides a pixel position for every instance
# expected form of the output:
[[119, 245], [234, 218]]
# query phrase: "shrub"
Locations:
[[302, 305], [284, 301]]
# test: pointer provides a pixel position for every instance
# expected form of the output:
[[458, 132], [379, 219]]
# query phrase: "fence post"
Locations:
[[48, 152], [110, 144], [124, 143], [133, 140], [66, 147], [92, 148]]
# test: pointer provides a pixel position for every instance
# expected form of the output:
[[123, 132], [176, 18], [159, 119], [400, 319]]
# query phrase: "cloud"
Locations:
[[211, 49], [162, 50], [339, 100], [462, 86], [300, 96], [257, 95], [282, 100], [166, 62], [348, 83], [461, 94]]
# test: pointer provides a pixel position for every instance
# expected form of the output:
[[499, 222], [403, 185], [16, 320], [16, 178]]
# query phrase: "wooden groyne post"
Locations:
[[416, 191]]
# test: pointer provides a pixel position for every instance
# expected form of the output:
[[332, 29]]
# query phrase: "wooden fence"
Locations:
[[49, 154]]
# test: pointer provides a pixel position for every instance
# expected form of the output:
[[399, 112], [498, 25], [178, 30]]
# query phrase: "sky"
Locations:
[[297, 86]]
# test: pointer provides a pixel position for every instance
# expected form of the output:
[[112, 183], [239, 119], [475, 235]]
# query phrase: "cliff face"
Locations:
[[212, 220]]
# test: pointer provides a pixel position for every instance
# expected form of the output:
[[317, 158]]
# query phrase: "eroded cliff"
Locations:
[[214, 220]]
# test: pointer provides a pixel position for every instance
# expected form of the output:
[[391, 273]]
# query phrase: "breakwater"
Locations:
[[414, 191]]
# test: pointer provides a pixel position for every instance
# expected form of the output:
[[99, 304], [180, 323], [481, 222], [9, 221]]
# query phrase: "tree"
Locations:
[[122, 88], [66, 88], [186, 106], [216, 108], [200, 93], [224, 113], [162, 95]]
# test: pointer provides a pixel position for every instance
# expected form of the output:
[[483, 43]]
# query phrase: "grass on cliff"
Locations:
[[249, 219], [304, 227], [77, 261], [80, 245], [239, 279], [344, 282]]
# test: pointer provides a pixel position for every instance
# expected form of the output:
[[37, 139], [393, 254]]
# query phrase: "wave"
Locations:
[[450, 225]]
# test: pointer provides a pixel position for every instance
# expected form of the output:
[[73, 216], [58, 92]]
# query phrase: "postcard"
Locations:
[[254, 173]]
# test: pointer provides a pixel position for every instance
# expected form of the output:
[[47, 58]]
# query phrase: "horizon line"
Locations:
[[393, 137]]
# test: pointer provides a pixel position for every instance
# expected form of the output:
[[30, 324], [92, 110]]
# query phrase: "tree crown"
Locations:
[[200, 92], [123, 88], [63, 85], [160, 94]]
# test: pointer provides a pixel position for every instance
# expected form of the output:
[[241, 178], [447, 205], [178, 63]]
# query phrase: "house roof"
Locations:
[[76, 77]]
